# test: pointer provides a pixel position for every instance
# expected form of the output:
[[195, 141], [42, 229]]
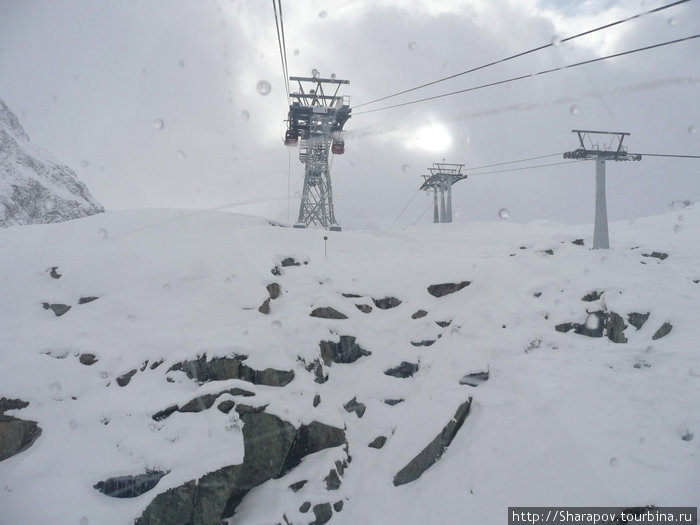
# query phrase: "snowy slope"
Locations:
[[563, 419], [34, 188]]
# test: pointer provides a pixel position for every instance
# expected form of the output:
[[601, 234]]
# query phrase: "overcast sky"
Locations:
[[92, 80]]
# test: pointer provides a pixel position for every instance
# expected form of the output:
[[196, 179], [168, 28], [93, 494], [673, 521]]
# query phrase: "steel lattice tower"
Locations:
[[317, 119], [618, 153]]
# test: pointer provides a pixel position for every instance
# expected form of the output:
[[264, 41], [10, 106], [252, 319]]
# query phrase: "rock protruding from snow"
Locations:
[[355, 406], [435, 449], [16, 435], [346, 350], [222, 368], [327, 312], [474, 379], [386, 303], [598, 324], [440, 290], [272, 447], [663, 331], [34, 188], [404, 370], [129, 486]]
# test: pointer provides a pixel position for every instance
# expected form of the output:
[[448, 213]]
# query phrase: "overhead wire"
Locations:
[[279, 25], [517, 55], [668, 155], [539, 73]]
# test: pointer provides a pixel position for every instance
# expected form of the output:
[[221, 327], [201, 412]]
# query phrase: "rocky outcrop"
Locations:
[[386, 303], [125, 379], [272, 448], [404, 370], [663, 331], [57, 308], [327, 312], [593, 296], [203, 402], [637, 319], [440, 290], [435, 449], [16, 435], [418, 314], [598, 324], [355, 406], [474, 379], [657, 255], [129, 486], [222, 368], [346, 350], [34, 189]]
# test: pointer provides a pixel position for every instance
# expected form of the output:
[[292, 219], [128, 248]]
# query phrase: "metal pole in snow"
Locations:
[[600, 229]]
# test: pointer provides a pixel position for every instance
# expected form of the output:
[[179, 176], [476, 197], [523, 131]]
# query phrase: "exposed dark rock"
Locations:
[[156, 364], [657, 255], [424, 342], [276, 271], [16, 435], [129, 486], [57, 308], [474, 379], [312, 438], [404, 370], [577, 241], [593, 296], [87, 299], [435, 449], [248, 409], [323, 513], [317, 368], [225, 406], [663, 331], [265, 307], [289, 261], [274, 290], [223, 368], [378, 442], [344, 351], [338, 505], [616, 328], [54, 273], [351, 295], [317, 400], [598, 324], [124, 379], [327, 312], [11, 404], [418, 314], [443, 324], [87, 359], [440, 290], [166, 412], [296, 487], [637, 319], [355, 406], [332, 480], [548, 252], [305, 507], [364, 308], [393, 402], [386, 303], [199, 403], [537, 294], [641, 364], [687, 436]]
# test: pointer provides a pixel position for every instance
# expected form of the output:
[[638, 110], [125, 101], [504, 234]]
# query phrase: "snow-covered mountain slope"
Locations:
[[582, 368], [34, 188]]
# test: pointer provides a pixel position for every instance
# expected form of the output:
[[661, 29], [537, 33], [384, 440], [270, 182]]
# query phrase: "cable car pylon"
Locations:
[[315, 123]]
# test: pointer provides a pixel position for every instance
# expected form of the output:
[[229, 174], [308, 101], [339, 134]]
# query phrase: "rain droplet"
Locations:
[[84, 163], [677, 228], [556, 40], [296, 52], [245, 114], [181, 154], [264, 87], [692, 130], [276, 324], [672, 22], [84, 521], [104, 375], [167, 287], [574, 110], [411, 45], [315, 73], [103, 233], [613, 462], [322, 14], [73, 424], [503, 213], [181, 63], [158, 124], [405, 168], [131, 317]]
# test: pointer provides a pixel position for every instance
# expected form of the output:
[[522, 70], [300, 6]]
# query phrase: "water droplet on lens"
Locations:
[[613, 462], [322, 14], [672, 22], [264, 87], [503, 213], [405, 168], [167, 287], [574, 109], [181, 154], [104, 375], [677, 228], [131, 317], [692, 130], [158, 124], [411, 45], [276, 324], [296, 52], [556, 40], [181, 63], [84, 163], [245, 114], [84, 521], [73, 424], [103, 233], [315, 73]]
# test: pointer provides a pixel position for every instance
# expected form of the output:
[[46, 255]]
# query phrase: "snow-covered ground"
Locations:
[[564, 419]]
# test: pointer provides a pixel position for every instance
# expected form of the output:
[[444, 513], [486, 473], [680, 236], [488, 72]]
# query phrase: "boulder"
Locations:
[[16, 435], [663, 331], [323, 513], [440, 290], [129, 486], [404, 370], [57, 308], [124, 379], [233, 367], [346, 350], [355, 406], [364, 308], [475, 378], [386, 303], [418, 314], [87, 299], [327, 312], [377, 442], [637, 319]]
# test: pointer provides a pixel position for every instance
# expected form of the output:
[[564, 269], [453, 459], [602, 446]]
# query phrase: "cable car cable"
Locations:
[[282, 47], [539, 73], [551, 44]]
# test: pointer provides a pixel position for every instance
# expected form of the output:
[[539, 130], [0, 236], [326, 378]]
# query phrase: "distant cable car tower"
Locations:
[[317, 120], [442, 176]]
